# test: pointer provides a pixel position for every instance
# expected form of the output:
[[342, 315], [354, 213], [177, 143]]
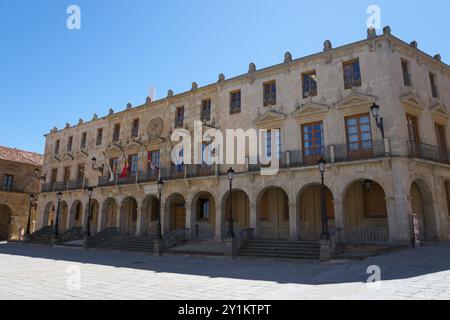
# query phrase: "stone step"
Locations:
[[281, 255]]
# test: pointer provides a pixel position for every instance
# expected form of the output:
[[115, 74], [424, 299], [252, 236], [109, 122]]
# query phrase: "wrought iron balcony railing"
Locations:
[[60, 186], [76, 184], [428, 152], [200, 170]]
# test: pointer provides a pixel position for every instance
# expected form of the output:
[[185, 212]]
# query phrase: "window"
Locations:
[[203, 214], [135, 128], [413, 129], [99, 136], [434, 88], [270, 93], [133, 164], [81, 172], [66, 174], [54, 175], [8, 182], [235, 102], [313, 142], [154, 158], [206, 110], [83, 141], [116, 132], [57, 143], [441, 143], [269, 143], [359, 136], [405, 72], [352, 74], [309, 84], [69, 144], [447, 191], [114, 164], [179, 117]]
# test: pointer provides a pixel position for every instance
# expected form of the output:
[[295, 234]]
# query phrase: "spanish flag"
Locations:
[[126, 167]]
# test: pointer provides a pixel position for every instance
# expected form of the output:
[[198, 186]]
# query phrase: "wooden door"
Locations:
[[180, 217]]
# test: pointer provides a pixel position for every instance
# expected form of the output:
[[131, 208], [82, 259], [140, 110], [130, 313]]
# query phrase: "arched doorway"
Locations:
[[365, 212], [49, 215], [128, 216], [149, 217], [109, 214], [76, 215], [63, 216], [204, 209], [422, 210], [273, 213], [5, 222], [94, 216], [240, 209], [175, 212], [309, 211]]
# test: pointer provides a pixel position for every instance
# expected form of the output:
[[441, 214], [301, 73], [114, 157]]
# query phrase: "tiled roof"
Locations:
[[16, 155]]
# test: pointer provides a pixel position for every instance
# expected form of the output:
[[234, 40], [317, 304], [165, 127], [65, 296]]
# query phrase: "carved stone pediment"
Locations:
[[439, 113], [355, 100], [413, 100], [269, 117], [310, 109]]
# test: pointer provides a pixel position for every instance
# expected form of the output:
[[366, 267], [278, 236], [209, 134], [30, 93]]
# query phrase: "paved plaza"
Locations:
[[41, 272]]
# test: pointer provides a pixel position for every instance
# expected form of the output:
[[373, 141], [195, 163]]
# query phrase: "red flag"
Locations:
[[125, 169]]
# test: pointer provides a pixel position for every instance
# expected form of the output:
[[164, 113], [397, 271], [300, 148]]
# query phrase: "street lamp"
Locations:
[[160, 190], [28, 232], [100, 169], [58, 196], [325, 235], [230, 232], [378, 119], [88, 223]]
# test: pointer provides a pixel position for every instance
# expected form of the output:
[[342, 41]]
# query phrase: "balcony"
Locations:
[[12, 189], [428, 152], [106, 181], [76, 184], [60, 186], [201, 170], [48, 187], [151, 175], [174, 172], [361, 151]]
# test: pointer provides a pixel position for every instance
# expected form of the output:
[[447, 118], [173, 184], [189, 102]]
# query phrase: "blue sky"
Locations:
[[50, 75]]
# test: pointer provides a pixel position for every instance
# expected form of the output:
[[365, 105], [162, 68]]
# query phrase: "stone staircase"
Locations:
[[279, 249], [199, 248], [126, 243], [42, 236]]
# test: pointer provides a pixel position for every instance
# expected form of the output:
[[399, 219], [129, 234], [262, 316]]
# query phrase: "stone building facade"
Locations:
[[18, 174], [381, 186]]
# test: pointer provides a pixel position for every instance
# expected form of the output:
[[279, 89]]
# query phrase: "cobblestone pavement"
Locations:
[[40, 272]]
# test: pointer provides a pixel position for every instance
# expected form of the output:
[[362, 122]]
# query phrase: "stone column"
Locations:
[[190, 221], [293, 222], [138, 221], [254, 221], [403, 208], [339, 217], [219, 224], [392, 219], [165, 221]]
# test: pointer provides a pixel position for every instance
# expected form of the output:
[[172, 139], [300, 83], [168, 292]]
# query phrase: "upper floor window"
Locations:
[[433, 83], [114, 165], [235, 102], [81, 172], [83, 141], [359, 136], [154, 160], [57, 143], [270, 144], [413, 128], [54, 175], [206, 110], [309, 84], [313, 142], [133, 164], [441, 136], [406, 74], [99, 140], [135, 128], [116, 132], [66, 174], [270, 93], [8, 182], [179, 117], [69, 144], [352, 74]]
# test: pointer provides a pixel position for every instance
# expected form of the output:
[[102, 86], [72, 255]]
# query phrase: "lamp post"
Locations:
[[58, 196], [160, 189], [99, 169], [88, 223], [230, 232], [379, 120], [325, 235], [28, 232]]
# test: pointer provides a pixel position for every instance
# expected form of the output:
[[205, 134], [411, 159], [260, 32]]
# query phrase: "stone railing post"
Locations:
[[332, 154]]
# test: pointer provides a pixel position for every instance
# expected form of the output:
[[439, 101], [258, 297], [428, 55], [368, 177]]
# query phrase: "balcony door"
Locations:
[[359, 136], [313, 142], [441, 143], [413, 135]]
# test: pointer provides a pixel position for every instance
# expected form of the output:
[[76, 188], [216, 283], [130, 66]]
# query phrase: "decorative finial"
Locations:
[[371, 33], [287, 57], [80, 121], [194, 86], [111, 112], [148, 100], [387, 30], [67, 125], [54, 130], [251, 67], [438, 57], [414, 44], [327, 46], [129, 105], [221, 77], [170, 93], [95, 116]]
